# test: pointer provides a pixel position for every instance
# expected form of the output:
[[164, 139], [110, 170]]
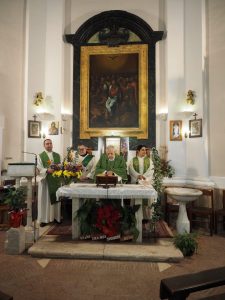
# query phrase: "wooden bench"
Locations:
[[4, 296], [179, 287]]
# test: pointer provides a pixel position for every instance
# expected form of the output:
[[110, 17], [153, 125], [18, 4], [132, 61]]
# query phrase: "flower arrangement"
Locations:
[[68, 171], [107, 219]]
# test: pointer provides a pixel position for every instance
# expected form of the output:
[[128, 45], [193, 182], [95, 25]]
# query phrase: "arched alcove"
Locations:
[[115, 29]]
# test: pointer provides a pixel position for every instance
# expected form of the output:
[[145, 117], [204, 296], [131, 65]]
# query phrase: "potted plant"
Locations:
[[15, 199], [186, 242], [162, 168]]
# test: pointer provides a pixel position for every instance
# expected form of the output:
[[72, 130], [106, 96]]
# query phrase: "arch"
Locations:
[[113, 20]]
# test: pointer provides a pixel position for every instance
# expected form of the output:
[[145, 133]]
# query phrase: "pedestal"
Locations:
[[15, 240], [27, 170], [182, 224]]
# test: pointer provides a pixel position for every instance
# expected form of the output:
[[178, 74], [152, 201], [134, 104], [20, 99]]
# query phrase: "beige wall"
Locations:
[[216, 80], [12, 18]]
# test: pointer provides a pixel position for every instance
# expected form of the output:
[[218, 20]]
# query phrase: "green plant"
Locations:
[[162, 169], [129, 222], [186, 242], [15, 198]]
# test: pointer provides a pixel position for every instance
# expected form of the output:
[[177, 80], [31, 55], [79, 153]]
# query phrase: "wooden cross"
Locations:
[[35, 117], [195, 115]]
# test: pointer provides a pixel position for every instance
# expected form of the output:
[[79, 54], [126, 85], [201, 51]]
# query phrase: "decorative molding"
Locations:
[[192, 182]]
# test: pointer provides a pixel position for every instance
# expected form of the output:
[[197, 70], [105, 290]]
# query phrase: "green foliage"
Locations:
[[187, 243], [87, 217], [162, 169], [129, 222], [15, 198]]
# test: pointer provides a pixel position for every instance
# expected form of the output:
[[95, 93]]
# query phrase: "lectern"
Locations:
[[27, 170]]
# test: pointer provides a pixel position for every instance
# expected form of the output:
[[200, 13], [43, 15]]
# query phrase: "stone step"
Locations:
[[162, 250]]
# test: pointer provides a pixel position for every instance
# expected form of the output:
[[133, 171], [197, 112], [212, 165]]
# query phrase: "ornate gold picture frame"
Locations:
[[176, 130], [114, 91]]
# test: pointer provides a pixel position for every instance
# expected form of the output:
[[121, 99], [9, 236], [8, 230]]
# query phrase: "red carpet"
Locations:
[[162, 230], [60, 229]]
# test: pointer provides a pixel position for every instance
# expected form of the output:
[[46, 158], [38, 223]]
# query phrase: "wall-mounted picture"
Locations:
[[34, 129], [113, 95], [176, 130], [195, 128], [53, 128]]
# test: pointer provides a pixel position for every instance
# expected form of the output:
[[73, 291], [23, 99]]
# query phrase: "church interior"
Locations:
[[97, 74]]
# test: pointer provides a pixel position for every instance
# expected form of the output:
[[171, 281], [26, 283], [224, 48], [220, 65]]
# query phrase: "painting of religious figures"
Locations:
[[114, 91]]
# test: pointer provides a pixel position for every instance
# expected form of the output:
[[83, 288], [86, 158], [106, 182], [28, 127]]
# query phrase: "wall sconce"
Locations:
[[162, 116], [190, 97]]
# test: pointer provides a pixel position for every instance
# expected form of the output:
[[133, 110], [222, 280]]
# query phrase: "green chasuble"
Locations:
[[53, 182], [117, 166], [136, 164]]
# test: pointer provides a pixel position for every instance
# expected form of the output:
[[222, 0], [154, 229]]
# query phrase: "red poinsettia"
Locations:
[[108, 220]]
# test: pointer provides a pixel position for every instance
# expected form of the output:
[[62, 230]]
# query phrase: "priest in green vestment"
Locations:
[[49, 209], [141, 166], [141, 172], [112, 164]]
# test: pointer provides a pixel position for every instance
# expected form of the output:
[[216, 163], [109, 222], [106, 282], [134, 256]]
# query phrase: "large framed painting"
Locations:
[[114, 91]]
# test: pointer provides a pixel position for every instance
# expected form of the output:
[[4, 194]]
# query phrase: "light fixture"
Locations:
[[162, 116]]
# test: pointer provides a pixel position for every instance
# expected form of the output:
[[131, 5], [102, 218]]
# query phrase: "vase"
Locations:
[[15, 218]]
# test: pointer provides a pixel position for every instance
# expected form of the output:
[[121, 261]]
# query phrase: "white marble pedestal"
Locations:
[[27, 170], [183, 196]]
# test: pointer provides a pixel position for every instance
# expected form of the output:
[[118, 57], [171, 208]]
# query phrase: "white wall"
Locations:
[[34, 30], [11, 78], [216, 89]]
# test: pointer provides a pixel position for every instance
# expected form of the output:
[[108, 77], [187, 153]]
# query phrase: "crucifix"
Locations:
[[195, 115], [35, 117]]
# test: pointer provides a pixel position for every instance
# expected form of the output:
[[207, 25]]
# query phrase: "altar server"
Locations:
[[48, 209]]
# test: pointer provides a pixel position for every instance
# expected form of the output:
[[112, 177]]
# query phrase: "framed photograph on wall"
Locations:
[[176, 130], [53, 128], [114, 91], [195, 128], [34, 129]]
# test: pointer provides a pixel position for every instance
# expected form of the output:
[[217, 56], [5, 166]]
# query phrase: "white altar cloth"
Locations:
[[77, 191]]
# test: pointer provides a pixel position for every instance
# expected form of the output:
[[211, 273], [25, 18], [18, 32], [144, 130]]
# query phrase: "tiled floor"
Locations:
[[28, 278]]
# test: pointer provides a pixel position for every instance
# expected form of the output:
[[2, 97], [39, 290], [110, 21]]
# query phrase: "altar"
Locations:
[[79, 191]]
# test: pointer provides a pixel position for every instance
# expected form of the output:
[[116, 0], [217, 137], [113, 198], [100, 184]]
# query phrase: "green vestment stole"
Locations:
[[136, 164], [52, 182], [87, 159]]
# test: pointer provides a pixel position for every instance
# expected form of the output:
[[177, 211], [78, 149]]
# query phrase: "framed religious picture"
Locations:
[[53, 128], [114, 91], [34, 129], [176, 130], [195, 128]]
